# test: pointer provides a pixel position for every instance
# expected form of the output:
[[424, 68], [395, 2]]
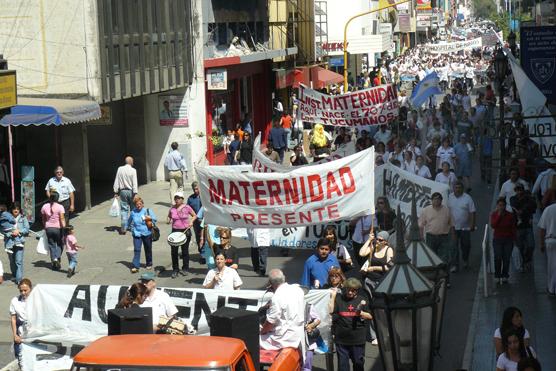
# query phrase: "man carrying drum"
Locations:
[[182, 217]]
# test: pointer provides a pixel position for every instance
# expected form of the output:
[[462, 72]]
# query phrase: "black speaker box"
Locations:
[[240, 324], [130, 321]]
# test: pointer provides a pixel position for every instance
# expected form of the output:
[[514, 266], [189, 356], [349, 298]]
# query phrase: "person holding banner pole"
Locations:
[[361, 229]]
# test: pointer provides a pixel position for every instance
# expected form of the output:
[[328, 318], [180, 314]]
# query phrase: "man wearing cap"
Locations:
[[524, 207], [436, 225], [65, 189], [158, 300], [175, 164], [125, 188], [463, 212]]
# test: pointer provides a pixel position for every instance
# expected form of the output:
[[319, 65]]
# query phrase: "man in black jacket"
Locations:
[[524, 207]]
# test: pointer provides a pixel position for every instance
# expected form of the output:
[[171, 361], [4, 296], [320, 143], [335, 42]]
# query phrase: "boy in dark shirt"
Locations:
[[348, 323]]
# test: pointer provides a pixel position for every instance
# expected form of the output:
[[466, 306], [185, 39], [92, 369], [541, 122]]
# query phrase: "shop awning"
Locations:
[[50, 111], [322, 77]]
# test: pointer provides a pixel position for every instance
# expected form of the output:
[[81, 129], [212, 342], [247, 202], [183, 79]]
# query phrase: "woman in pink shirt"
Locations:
[[182, 217], [53, 221]]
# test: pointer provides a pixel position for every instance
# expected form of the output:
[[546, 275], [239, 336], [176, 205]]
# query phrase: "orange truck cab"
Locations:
[[175, 352]]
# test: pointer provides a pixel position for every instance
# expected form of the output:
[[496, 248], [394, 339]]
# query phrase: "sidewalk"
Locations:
[[526, 291]]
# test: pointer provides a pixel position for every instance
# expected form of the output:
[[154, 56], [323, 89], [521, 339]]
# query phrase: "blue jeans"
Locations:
[[54, 237], [126, 199], [288, 136], [72, 260], [147, 243], [16, 263]]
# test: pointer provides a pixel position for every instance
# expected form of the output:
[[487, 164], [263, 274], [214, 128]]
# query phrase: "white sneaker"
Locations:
[[453, 270], [374, 342], [9, 251]]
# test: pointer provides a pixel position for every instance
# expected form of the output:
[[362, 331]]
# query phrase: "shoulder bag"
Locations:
[[155, 232]]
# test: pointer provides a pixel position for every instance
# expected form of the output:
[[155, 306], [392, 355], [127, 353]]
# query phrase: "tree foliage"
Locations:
[[484, 8]]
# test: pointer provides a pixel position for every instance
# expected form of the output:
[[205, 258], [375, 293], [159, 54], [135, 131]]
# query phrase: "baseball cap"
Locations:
[[179, 194], [148, 276]]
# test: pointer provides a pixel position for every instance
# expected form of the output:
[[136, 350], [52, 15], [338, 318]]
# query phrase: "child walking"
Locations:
[[71, 249]]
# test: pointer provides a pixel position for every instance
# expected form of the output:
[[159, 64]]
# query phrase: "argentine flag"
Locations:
[[425, 89]]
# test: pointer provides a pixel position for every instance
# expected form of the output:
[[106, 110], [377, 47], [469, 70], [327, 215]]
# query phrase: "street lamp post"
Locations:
[[432, 267], [501, 68], [345, 35], [402, 307], [513, 47]]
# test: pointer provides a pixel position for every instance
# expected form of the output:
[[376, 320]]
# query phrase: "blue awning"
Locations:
[[49, 111]]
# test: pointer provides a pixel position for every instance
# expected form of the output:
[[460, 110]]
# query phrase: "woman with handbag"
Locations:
[[182, 217], [142, 224], [53, 219]]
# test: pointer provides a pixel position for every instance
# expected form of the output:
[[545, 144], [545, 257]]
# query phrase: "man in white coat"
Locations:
[[285, 318]]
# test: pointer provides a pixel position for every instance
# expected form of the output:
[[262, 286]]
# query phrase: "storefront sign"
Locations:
[[8, 89], [423, 5], [446, 48], [63, 319], [307, 195], [173, 110], [217, 79], [374, 106], [538, 58], [404, 22], [333, 47]]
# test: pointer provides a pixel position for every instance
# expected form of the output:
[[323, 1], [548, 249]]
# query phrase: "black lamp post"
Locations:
[[402, 308], [511, 42], [432, 267], [501, 68]]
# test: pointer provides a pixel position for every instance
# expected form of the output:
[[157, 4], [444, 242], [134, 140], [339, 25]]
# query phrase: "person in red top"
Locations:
[[286, 123], [505, 226]]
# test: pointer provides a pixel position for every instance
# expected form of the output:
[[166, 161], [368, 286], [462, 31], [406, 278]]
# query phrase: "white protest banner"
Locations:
[[373, 106], [262, 164], [307, 237], [446, 48], [307, 195], [398, 185], [541, 130], [65, 318]]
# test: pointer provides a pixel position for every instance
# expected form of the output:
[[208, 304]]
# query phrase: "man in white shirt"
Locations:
[[383, 135], [463, 213], [65, 189], [175, 164], [543, 182], [285, 319], [158, 300], [260, 242], [547, 239], [508, 187], [125, 188]]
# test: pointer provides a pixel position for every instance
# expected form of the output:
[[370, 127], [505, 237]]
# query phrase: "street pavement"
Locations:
[[107, 255]]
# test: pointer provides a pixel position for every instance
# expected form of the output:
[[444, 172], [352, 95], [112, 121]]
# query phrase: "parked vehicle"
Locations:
[[177, 352]]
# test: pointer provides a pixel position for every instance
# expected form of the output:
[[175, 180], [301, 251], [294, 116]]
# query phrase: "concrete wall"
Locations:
[[52, 44], [159, 138]]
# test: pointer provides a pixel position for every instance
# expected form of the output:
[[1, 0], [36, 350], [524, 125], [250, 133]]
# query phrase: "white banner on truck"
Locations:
[[65, 318]]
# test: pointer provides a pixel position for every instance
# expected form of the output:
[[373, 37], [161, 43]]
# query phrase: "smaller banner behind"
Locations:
[[65, 318], [262, 164], [446, 48], [307, 195], [398, 185], [374, 106]]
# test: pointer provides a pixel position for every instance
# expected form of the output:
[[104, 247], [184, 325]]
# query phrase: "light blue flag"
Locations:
[[425, 89]]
